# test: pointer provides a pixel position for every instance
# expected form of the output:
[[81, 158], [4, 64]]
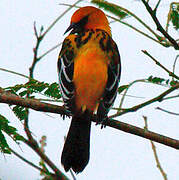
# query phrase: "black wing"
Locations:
[[114, 72], [65, 73]]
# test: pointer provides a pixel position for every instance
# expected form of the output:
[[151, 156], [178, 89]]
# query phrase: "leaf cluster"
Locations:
[[33, 86], [162, 81], [30, 89], [10, 131]]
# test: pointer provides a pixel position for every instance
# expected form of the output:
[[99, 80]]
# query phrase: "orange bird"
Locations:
[[89, 70]]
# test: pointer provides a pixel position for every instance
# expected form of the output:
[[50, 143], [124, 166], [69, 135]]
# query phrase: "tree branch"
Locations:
[[29, 162], [159, 26], [46, 107], [155, 99], [166, 111], [155, 153], [158, 63]]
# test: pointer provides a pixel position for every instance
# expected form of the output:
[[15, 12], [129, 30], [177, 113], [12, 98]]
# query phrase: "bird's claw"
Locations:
[[102, 122]]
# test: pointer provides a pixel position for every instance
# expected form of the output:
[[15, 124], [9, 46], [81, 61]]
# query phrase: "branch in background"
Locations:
[[139, 31], [42, 162], [125, 92], [58, 174], [35, 50], [169, 112], [159, 26], [137, 107], [174, 64], [45, 107], [155, 153], [13, 72], [50, 50], [28, 162], [72, 174], [157, 63], [156, 7], [40, 37], [37, 149], [34, 104], [171, 97]]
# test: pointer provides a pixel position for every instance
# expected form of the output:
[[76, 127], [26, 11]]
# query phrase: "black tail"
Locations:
[[75, 153]]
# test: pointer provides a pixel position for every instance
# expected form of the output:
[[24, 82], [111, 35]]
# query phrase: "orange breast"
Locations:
[[90, 77]]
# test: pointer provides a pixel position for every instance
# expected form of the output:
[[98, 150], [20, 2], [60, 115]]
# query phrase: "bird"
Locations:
[[89, 70]]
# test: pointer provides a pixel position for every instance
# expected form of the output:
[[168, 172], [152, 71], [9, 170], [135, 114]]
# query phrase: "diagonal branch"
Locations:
[[155, 153], [142, 133], [155, 99], [163, 67], [46, 107], [43, 156], [159, 26], [29, 162], [167, 111]]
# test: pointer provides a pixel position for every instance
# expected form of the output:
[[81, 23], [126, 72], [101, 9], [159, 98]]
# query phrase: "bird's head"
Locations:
[[88, 18]]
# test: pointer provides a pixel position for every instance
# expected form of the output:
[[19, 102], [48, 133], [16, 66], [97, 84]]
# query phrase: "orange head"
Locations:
[[88, 18]]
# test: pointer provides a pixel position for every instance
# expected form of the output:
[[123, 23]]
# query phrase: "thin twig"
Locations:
[[72, 174], [13, 72], [174, 64], [35, 50], [171, 97], [164, 175], [158, 63], [156, 7], [139, 31], [37, 149], [40, 37], [137, 107], [159, 26], [50, 50], [28, 162], [169, 112], [125, 92]]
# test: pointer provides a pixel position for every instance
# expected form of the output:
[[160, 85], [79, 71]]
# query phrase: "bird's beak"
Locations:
[[72, 25]]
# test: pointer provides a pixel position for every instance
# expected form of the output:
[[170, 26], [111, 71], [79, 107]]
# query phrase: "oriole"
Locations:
[[89, 70]]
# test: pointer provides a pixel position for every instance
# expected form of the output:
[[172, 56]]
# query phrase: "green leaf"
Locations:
[[41, 29], [167, 81], [10, 130], [53, 91], [173, 83], [114, 9], [34, 87], [20, 112], [156, 80], [23, 93], [122, 88], [4, 147], [174, 16]]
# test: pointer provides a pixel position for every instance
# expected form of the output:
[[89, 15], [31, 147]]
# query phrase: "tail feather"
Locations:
[[75, 153]]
